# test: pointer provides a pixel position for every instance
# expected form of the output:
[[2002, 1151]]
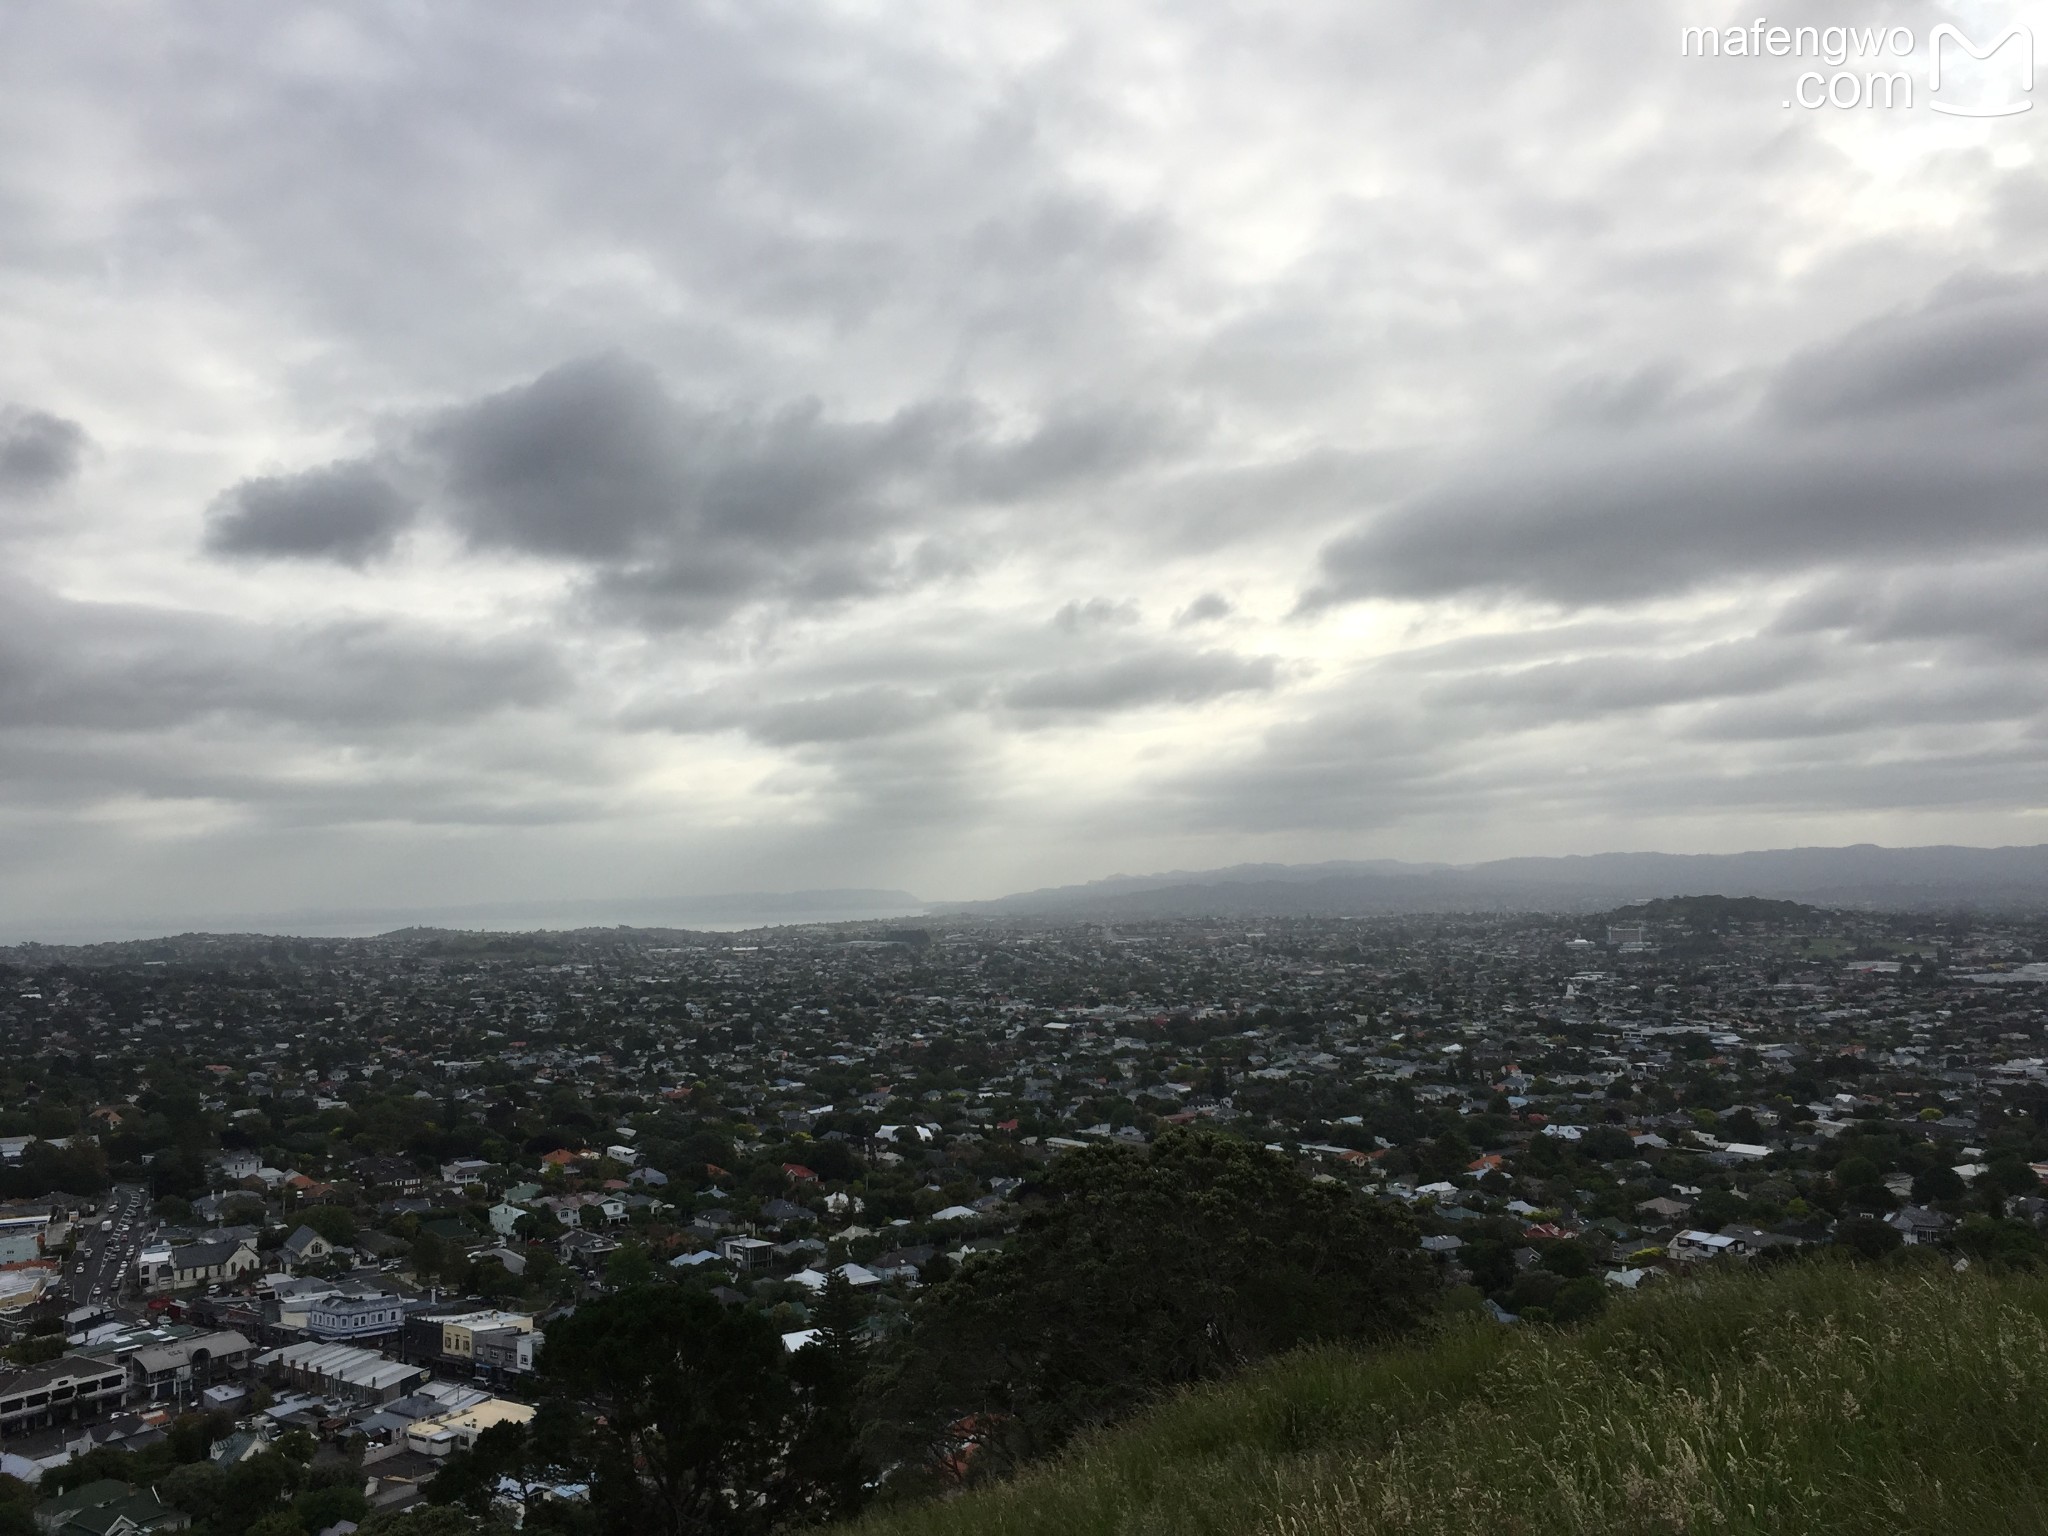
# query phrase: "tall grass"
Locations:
[[1813, 1399]]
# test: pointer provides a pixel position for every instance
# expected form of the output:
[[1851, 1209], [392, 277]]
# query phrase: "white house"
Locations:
[[1690, 1247]]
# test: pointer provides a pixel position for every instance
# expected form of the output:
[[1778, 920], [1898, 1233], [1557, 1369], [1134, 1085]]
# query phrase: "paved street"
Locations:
[[105, 1260]]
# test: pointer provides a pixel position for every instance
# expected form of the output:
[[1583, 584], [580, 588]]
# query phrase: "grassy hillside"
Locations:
[[1809, 1399]]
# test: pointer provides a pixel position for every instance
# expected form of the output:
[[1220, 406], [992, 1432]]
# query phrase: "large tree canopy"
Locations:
[[700, 1425], [1144, 1270]]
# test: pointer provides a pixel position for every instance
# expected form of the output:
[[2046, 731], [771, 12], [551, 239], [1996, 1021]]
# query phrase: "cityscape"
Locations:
[[1163, 769], [339, 1188]]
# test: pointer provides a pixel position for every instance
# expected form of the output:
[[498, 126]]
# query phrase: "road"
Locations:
[[105, 1261]]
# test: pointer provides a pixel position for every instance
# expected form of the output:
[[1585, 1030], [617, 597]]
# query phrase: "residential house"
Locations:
[[745, 1252], [1664, 1211], [304, 1248], [1917, 1224], [164, 1268], [587, 1251], [238, 1164], [108, 1507], [1691, 1246], [392, 1174], [466, 1172], [1757, 1240]]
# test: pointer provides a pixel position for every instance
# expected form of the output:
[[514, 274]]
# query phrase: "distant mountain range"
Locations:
[[1866, 876], [729, 912]]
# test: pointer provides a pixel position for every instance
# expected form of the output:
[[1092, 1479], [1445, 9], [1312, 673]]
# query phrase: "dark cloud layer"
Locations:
[[348, 513], [38, 451], [134, 669], [788, 446], [679, 514], [1160, 676], [1914, 435]]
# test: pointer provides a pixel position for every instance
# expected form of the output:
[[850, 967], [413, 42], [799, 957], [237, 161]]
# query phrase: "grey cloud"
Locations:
[[1895, 706], [132, 669], [460, 784], [1357, 762], [1530, 642], [1082, 615], [876, 699], [1206, 609], [38, 451], [1958, 464], [1635, 398], [1353, 763], [845, 715], [1604, 685], [1081, 444], [1161, 677], [1092, 309], [596, 461], [1998, 606], [346, 512], [679, 514], [856, 715], [1972, 344]]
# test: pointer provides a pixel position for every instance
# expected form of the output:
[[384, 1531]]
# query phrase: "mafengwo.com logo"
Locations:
[[1858, 68]]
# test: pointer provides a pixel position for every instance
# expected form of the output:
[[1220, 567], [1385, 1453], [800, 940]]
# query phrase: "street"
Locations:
[[104, 1260]]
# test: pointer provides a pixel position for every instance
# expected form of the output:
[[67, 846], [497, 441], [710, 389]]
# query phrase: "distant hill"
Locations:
[[1818, 1400], [724, 912], [1863, 876], [1715, 912]]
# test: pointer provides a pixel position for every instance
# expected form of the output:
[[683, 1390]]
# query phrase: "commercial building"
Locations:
[[58, 1391], [342, 1370], [363, 1315]]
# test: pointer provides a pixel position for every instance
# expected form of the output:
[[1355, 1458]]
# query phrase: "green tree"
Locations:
[[2008, 1174], [698, 1427], [628, 1266], [1145, 1271], [431, 1520], [833, 1368], [336, 1223], [1571, 1260], [1937, 1182], [1868, 1238], [196, 1488], [37, 1350], [318, 1508], [430, 1256], [2013, 1244], [1579, 1299], [253, 1489]]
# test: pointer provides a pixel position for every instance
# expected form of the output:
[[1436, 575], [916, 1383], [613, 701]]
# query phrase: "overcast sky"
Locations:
[[520, 452]]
